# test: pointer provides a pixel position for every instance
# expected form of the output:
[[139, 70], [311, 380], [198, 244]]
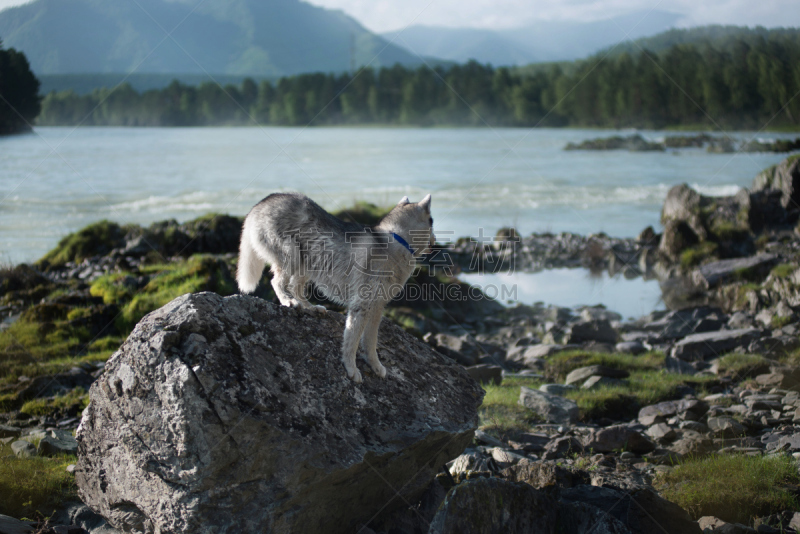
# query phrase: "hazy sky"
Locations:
[[384, 15]]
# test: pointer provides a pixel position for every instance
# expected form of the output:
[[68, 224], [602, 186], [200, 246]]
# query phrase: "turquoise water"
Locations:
[[571, 288], [58, 180]]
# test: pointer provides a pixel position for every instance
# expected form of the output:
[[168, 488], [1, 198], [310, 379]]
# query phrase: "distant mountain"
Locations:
[[719, 37], [539, 42], [257, 38]]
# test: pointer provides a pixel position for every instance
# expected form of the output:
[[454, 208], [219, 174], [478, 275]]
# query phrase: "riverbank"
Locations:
[[575, 398]]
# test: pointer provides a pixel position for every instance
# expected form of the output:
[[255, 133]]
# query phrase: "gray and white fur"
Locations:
[[359, 266]]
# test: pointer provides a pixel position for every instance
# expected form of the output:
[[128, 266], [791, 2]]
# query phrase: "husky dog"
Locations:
[[362, 267]]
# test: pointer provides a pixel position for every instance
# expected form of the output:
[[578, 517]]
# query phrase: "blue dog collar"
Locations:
[[403, 242]]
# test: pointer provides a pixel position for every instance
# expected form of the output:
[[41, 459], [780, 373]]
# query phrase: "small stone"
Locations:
[[23, 449], [71, 468], [616, 437], [595, 382], [9, 525], [582, 373], [557, 389], [9, 431], [551, 408], [726, 426], [661, 432]]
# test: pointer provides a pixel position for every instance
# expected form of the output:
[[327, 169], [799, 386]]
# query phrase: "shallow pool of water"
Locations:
[[570, 288]]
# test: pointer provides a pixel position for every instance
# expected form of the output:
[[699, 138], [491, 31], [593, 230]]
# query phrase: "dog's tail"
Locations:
[[248, 273]]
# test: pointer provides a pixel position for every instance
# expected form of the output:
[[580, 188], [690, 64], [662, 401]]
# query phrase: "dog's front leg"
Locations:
[[373, 323], [353, 329]]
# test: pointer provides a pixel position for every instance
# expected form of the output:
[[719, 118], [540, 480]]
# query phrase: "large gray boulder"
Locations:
[[236, 415]]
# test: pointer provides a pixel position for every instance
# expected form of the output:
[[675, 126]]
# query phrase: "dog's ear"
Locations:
[[425, 203], [403, 201]]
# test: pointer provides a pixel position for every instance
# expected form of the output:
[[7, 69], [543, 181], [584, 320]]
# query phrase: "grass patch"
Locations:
[[694, 256], [624, 401], [783, 270], [780, 322], [560, 364], [742, 365], [735, 488], [75, 400], [34, 487], [500, 414]]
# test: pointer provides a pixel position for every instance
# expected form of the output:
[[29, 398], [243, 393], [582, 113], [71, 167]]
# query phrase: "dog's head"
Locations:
[[415, 220]]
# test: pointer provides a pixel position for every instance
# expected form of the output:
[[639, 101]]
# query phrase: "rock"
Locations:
[[581, 518], [595, 330], [630, 347], [495, 506], [692, 443], [674, 365], [486, 374], [545, 474], [720, 272], [483, 437], [784, 177], [718, 526], [9, 525], [726, 426], [504, 458], [582, 373], [618, 437], [640, 510], [557, 389], [669, 408], [531, 357], [682, 204], [531, 442], [594, 382], [595, 313], [234, 414], [7, 431], [551, 408], [23, 449], [470, 461], [461, 349], [661, 432], [740, 320], [561, 447], [701, 346], [56, 443], [788, 379]]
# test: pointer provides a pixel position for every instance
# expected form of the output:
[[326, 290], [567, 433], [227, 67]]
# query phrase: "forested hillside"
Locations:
[[19, 88], [734, 83]]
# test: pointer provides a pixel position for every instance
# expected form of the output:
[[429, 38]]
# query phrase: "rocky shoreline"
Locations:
[[583, 408]]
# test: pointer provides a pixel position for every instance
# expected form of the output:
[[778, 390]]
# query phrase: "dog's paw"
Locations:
[[355, 377], [379, 369], [321, 310]]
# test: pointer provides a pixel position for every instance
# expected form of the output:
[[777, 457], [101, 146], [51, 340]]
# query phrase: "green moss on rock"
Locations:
[[363, 213], [95, 240]]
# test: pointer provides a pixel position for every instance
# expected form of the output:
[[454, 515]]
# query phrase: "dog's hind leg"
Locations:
[[353, 329], [370, 339], [280, 283], [298, 286]]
